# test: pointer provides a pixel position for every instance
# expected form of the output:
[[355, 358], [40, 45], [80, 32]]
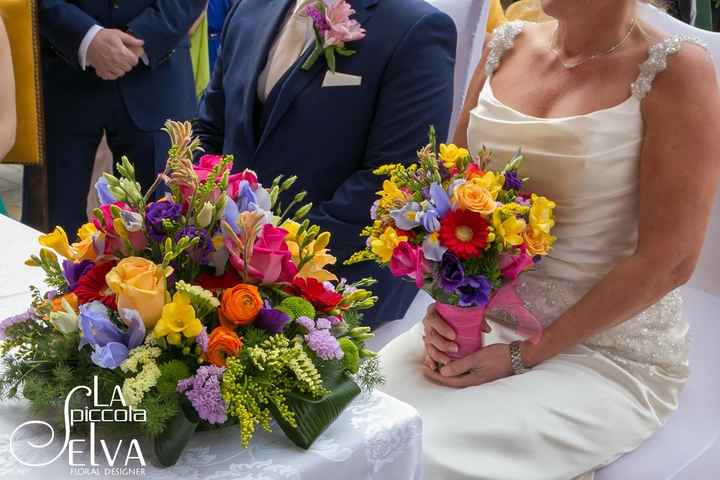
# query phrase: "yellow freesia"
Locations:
[[509, 228], [178, 319], [492, 181], [384, 245], [58, 241], [538, 242], [84, 249], [391, 194], [541, 214], [450, 154], [316, 251]]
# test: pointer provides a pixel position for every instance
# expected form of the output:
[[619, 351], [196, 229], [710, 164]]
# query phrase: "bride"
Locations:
[[618, 125]]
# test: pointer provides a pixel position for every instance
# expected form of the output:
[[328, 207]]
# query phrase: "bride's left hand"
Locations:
[[486, 365]]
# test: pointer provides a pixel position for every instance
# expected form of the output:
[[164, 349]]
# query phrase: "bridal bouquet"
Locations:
[[461, 232], [212, 305]]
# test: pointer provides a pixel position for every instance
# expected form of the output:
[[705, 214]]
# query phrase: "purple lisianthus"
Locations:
[[324, 345], [200, 253], [474, 291], [203, 391], [73, 271], [452, 273], [111, 345], [14, 320], [156, 213], [512, 181], [271, 320]]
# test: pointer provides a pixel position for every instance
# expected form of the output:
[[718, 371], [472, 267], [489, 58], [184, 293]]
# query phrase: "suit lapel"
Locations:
[[268, 17], [298, 79]]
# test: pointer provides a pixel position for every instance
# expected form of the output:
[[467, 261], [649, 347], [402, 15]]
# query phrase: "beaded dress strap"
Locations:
[[503, 39], [657, 62]]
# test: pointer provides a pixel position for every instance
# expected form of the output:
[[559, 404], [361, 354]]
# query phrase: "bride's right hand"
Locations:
[[439, 338]]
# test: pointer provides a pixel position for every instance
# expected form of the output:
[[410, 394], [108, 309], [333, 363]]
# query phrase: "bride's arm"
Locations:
[[471, 98], [679, 174]]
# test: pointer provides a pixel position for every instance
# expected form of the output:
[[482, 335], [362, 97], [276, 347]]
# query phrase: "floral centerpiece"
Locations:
[[210, 305], [461, 232]]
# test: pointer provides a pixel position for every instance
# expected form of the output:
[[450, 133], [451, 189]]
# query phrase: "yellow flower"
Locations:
[[475, 197], [58, 241], [538, 242], [84, 249], [509, 228], [541, 214], [140, 285], [450, 154], [384, 245], [316, 251], [492, 181], [178, 319], [390, 194]]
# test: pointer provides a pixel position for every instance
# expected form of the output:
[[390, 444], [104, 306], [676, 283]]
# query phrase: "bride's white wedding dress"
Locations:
[[584, 408]]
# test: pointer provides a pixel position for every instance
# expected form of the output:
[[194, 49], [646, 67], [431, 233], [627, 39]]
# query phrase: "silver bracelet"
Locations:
[[516, 360]]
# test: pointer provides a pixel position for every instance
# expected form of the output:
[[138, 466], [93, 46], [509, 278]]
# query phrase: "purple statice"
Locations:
[[271, 320], [324, 345], [318, 19], [202, 339], [200, 253], [512, 181], [73, 271], [306, 322], [474, 291], [203, 391], [156, 213], [14, 320], [452, 273]]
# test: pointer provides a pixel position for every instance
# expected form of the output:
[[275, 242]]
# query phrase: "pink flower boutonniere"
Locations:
[[333, 29]]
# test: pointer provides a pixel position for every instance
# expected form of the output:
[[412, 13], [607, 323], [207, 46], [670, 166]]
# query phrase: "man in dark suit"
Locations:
[[332, 130], [120, 66]]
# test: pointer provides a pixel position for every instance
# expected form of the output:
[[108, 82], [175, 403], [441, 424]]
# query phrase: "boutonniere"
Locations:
[[333, 30]]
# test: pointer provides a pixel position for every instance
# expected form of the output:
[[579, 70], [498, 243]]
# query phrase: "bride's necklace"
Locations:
[[609, 51]]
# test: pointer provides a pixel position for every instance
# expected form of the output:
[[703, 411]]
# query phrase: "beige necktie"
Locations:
[[287, 49]]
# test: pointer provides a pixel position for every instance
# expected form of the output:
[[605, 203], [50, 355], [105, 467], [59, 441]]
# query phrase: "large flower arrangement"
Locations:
[[462, 232], [210, 305]]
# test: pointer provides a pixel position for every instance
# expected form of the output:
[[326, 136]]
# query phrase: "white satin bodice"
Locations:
[[589, 165]]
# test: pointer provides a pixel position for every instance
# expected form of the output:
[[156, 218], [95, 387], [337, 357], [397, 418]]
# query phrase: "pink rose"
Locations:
[[409, 260], [512, 266], [271, 260], [208, 162]]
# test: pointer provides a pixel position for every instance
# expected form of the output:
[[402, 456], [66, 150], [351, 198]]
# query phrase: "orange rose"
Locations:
[[222, 343], [71, 298], [240, 304]]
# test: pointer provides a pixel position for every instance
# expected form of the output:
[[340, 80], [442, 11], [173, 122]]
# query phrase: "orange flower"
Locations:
[[222, 343], [240, 304], [71, 298]]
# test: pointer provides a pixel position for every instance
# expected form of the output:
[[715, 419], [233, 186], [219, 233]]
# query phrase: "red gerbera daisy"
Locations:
[[464, 233], [92, 286], [315, 293]]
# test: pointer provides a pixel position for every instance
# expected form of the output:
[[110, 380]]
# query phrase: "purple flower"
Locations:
[[334, 321], [440, 199], [111, 345], [73, 271], [156, 213], [203, 391], [406, 218], [452, 273], [318, 19], [14, 320], [324, 345], [474, 291], [271, 320], [323, 324], [512, 181], [103, 192], [430, 220], [306, 322], [202, 339], [200, 253]]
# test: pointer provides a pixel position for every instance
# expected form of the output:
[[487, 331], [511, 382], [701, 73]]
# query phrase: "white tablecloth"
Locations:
[[377, 437]]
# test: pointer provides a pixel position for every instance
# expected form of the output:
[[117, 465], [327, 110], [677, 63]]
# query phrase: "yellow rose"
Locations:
[[472, 196], [58, 241], [140, 285], [541, 214], [384, 245], [538, 243], [450, 154]]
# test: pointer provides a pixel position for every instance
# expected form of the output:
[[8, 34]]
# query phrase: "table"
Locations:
[[377, 437]]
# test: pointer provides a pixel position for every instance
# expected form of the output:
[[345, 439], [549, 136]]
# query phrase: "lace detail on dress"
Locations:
[[657, 62], [503, 39]]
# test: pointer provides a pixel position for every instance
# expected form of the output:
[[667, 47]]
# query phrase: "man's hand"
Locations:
[[113, 53]]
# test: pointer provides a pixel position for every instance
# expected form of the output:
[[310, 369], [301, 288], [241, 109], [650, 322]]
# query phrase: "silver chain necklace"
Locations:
[[610, 51]]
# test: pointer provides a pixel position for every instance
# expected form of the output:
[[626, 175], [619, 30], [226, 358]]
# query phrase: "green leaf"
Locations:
[[315, 416], [171, 443], [330, 57]]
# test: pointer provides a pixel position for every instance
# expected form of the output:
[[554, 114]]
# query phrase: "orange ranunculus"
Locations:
[[240, 304], [222, 343], [70, 298]]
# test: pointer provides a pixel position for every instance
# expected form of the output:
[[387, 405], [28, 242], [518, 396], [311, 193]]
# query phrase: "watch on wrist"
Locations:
[[516, 360]]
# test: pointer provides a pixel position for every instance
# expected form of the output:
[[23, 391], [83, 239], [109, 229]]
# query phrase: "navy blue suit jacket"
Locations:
[[333, 137], [152, 94]]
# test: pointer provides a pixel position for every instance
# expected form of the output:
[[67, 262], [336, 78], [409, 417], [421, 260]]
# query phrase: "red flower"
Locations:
[[211, 282], [92, 286], [315, 293], [464, 233]]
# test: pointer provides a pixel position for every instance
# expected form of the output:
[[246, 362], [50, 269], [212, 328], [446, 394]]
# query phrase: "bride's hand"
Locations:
[[486, 365], [438, 337]]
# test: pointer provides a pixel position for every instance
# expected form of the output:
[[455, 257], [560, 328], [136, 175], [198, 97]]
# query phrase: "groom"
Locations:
[[332, 130]]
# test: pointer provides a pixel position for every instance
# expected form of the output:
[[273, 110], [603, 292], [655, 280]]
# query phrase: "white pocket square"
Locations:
[[338, 79]]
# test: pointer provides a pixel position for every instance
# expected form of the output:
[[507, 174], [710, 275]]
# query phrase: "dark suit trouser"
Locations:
[[74, 128]]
